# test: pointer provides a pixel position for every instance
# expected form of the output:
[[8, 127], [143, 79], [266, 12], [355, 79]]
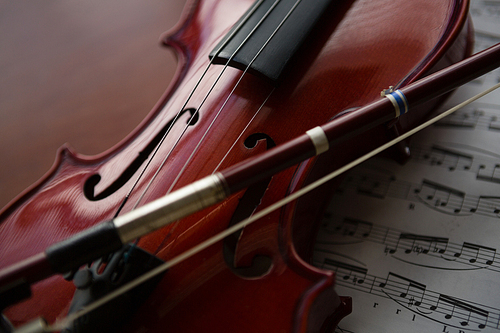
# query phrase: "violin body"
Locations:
[[359, 48]]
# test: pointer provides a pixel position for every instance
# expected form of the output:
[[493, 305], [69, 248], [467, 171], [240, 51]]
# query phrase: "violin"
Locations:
[[243, 87]]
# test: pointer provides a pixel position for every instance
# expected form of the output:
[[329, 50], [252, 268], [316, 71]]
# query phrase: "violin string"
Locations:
[[62, 324], [176, 223], [285, 18], [150, 159], [204, 99], [242, 132], [224, 104], [148, 186], [190, 95], [202, 139]]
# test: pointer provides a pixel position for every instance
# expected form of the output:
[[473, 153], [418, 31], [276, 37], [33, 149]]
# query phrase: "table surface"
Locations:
[[83, 73]]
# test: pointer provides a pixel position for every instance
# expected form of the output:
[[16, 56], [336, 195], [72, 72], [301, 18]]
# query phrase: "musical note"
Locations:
[[410, 293], [486, 15], [425, 244], [483, 116], [405, 287], [375, 184], [464, 120], [346, 272], [347, 227], [437, 196], [467, 253], [441, 197], [489, 174], [484, 163], [463, 311], [465, 206], [494, 124], [375, 187], [353, 228], [487, 205], [474, 252], [448, 158], [418, 244]]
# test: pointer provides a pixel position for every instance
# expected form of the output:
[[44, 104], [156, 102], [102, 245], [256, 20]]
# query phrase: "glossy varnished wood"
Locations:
[[337, 71]]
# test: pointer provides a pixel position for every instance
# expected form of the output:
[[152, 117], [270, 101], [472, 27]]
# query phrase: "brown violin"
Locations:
[[252, 76]]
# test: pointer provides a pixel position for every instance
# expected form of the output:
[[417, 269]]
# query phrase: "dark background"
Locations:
[[81, 72]]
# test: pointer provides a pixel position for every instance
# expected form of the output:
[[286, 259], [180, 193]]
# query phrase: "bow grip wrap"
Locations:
[[84, 247]]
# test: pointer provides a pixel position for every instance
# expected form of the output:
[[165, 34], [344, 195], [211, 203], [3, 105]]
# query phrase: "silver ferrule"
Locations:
[[172, 207], [38, 325]]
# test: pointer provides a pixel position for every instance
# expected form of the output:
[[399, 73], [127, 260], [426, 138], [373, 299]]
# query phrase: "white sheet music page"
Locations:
[[417, 246]]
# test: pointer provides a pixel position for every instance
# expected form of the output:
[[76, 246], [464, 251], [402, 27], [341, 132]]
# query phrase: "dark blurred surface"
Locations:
[[81, 72]]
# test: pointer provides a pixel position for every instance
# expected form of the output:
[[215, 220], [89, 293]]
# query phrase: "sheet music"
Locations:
[[416, 245]]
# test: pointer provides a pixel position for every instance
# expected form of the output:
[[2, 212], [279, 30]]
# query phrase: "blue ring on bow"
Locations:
[[399, 101]]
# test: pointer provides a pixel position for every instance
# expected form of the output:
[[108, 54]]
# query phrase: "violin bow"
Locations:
[[81, 248]]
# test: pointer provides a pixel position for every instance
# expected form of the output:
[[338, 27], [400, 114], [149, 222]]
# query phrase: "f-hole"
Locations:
[[92, 181], [248, 203]]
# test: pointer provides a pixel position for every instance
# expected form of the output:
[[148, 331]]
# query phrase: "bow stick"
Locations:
[[87, 246]]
